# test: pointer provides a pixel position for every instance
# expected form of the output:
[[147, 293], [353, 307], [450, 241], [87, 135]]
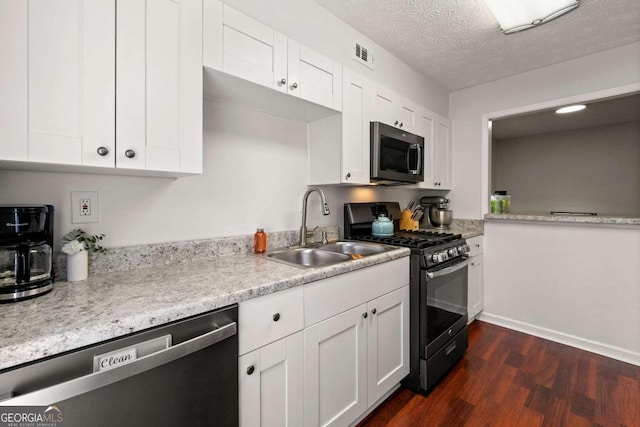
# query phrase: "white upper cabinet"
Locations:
[[159, 85], [70, 98], [395, 110], [57, 80], [437, 150], [245, 48], [314, 77], [339, 144], [249, 49], [442, 160]]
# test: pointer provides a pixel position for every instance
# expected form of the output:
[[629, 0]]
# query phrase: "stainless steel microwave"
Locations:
[[397, 156]]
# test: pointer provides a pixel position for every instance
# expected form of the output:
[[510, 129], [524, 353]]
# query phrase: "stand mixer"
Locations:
[[438, 214]]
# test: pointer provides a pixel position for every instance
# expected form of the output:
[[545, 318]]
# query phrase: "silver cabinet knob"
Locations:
[[396, 123], [294, 86], [348, 175], [401, 124], [283, 81], [130, 154], [276, 317], [250, 370], [365, 315], [103, 151], [374, 311]]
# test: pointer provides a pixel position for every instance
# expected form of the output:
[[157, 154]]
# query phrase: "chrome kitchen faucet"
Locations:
[[324, 210]]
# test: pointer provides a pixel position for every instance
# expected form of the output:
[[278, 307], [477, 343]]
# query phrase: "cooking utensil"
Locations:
[[412, 204]]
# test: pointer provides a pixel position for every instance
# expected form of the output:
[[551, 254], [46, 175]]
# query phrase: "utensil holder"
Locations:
[[406, 223]]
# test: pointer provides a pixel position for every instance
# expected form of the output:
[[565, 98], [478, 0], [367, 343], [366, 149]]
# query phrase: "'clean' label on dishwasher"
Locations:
[[115, 359]]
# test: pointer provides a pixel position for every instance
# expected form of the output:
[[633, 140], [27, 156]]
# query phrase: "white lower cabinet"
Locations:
[[335, 369], [476, 280], [271, 384], [388, 342], [323, 353]]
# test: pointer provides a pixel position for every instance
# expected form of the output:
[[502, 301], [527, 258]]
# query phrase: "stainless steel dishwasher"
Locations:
[[179, 374]]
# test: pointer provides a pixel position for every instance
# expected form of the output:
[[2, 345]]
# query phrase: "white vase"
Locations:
[[77, 266]]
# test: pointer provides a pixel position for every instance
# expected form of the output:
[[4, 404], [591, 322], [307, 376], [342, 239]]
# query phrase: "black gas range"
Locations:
[[438, 290]]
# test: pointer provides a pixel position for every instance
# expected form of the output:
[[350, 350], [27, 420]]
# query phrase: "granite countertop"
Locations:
[[579, 219], [468, 228], [109, 305]]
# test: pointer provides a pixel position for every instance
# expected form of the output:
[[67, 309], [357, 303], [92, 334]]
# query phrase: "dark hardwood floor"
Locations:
[[508, 378]]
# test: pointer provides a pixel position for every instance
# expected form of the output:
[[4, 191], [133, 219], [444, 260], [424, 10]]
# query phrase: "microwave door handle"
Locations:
[[419, 161]]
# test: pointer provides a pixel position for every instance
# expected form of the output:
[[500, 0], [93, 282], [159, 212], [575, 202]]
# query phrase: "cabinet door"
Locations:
[[314, 77], [388, 342], [383, 105], [57, 81], [442, 155], [426, 129], [408, 113], [335, 369], [14, 80], [356, 115], [253, 51], [271, 384], [159, 77], [476, 287]]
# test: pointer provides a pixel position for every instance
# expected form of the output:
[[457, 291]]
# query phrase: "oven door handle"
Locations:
[[87, 383], [449, 270]]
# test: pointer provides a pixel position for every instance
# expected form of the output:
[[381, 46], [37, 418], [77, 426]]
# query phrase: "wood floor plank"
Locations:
[[510, 379]]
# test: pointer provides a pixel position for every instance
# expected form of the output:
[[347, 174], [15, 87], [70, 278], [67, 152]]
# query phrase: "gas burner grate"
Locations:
[[413, 239]]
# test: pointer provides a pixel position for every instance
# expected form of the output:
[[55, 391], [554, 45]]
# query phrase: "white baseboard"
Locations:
[[573, 341]]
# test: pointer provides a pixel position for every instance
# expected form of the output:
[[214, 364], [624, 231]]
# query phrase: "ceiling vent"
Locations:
[[363, 54]]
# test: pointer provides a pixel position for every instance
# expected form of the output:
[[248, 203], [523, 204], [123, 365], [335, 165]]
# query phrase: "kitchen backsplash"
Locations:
[[132, 257]]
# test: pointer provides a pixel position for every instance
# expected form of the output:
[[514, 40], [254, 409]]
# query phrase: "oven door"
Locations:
[[444, 304]]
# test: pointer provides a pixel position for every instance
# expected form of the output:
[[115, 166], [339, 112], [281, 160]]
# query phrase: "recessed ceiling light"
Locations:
[[571, 109], [514, 16]]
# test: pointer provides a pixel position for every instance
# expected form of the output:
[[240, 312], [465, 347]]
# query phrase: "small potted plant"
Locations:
[[77, 244]]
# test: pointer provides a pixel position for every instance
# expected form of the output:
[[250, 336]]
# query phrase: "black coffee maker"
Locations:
[[26, 251]]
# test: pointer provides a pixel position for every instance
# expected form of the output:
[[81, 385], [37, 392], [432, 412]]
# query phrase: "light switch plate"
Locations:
[[84, 207]]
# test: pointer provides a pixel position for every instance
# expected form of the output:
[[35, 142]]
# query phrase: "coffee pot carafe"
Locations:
[[26, 251]]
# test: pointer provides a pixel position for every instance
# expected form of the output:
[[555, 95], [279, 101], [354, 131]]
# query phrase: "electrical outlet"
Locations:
[[84, 207]]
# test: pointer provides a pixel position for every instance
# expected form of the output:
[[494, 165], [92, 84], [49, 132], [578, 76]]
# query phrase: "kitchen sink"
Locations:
[[324, 255], [307, 257], [354, 248]]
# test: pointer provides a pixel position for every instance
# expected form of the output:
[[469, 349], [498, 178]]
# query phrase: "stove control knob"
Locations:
[[434, 257], [463, 249], [453, 252], [442, 256]]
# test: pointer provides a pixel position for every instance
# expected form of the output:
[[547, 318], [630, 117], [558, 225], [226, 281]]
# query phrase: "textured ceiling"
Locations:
[[458, 43], [601, 113]]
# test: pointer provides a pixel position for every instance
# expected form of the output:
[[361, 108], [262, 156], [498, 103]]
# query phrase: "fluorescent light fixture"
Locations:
[[570, 109], [518, 15]]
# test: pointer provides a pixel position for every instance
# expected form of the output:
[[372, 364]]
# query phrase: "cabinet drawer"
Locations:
[[340, 293], [269, 318], [476, 245]]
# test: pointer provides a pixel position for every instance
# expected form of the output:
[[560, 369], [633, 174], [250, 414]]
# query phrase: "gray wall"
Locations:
[[588, 170]]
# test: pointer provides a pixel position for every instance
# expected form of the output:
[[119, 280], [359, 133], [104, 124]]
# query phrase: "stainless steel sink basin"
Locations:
[[327, 254], [307, 257], [354, 248]]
